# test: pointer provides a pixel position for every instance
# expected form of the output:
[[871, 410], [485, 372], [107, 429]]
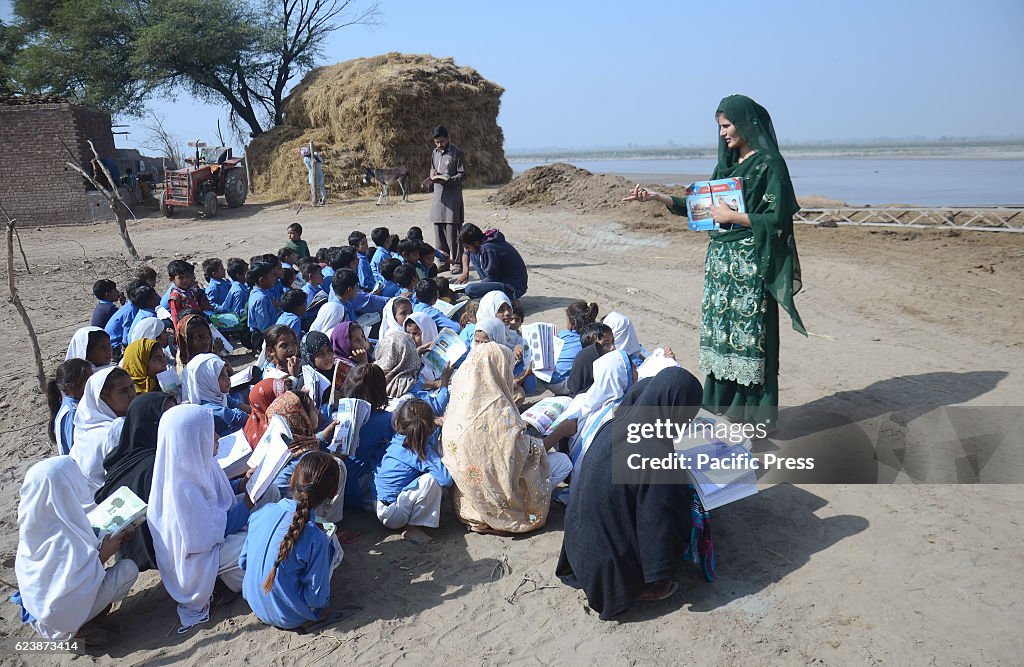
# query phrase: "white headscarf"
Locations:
[[147, 327], [328, 317], [428, 329], [613, 376], [188, 509], [79, 345], [624, 332], [58, 567], [491, 303], [97, 430], [390, 323], [495, 329], [200, 381]]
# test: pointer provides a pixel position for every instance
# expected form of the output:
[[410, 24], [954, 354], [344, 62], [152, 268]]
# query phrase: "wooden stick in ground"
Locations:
[[16, 300], [113, 197]]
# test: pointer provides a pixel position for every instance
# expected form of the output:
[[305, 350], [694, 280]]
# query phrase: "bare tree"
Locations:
[[113, 197], [15, 298], [162, 141], [301, 28]]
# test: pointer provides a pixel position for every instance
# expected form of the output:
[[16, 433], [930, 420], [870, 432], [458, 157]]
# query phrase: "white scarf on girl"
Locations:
[[97, 430], [79, 345], [428, 334], [147, 327], [58, 567], [328, 317], [389, 323], [613, 376], [624, 332], [188, 509], [200, 381]]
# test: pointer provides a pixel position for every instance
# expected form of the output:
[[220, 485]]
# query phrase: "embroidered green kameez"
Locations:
[[748, 274]]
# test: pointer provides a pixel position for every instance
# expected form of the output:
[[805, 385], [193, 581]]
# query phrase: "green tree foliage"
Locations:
[[116, 54]]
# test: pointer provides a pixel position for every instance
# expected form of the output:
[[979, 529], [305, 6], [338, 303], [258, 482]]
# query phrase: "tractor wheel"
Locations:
[[165, 209], [210, 205], [235, 188]]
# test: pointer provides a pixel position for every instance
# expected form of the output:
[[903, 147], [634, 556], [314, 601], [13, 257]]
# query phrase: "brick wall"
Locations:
[[36, 186]]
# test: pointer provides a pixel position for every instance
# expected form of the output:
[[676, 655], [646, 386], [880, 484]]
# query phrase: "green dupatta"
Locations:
[[769, 198]]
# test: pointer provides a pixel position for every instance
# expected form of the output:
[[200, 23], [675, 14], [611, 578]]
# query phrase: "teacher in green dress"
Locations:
[[751, 269]]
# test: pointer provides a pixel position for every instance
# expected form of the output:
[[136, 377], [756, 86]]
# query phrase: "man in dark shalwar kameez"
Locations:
[[447, 212]]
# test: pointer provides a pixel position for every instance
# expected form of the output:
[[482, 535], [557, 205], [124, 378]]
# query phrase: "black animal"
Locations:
[[387, 177]]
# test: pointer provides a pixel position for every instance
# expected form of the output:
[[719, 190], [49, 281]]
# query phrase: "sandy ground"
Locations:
[[812, 574]]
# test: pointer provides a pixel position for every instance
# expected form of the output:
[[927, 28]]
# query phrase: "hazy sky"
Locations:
[[590, 73]]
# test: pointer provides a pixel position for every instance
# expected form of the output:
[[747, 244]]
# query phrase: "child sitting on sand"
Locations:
[[411, 474]]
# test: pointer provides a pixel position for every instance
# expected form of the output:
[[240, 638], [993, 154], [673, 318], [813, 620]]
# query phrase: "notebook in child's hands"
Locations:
[[545, 347], [449, 310], [446, 349], [545, 415], [122, 510], [271, 454], [169, 381], [352, 415], [243, 377]]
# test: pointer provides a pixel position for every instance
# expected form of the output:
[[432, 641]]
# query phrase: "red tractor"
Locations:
[[211, 173]]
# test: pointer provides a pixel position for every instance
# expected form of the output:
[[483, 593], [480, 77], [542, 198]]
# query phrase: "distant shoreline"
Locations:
[[925, 152]]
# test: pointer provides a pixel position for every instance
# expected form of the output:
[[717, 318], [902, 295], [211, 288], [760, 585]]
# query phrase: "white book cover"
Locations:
[[121, 511], [271, 454], [351, 416], [367, 320], [450, 310], [446, 349], [169, 381], [242, 377], [458, 287], [233, 454]]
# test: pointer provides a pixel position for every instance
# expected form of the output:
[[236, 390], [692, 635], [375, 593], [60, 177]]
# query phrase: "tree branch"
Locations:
[[16, 299]]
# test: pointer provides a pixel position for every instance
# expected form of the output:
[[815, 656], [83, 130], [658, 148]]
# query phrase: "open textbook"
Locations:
[[351, 416], [271, 454], [545, 347], [450, 310], [233, 453], [243, 377], [546, 414], [654, 364], [121, 511], [721, 472], [169, 381], [446, 349], [702, 195]]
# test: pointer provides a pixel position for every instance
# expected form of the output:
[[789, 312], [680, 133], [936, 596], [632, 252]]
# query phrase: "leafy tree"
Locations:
[[117, 54]]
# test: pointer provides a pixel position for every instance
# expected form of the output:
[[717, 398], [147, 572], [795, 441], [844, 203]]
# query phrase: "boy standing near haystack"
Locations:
[[447, 213]]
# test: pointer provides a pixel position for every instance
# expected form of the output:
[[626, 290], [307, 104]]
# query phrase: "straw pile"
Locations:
[[379, 112]]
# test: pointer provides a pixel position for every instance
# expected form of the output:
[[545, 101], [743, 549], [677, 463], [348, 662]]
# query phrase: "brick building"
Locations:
[[36, 185]]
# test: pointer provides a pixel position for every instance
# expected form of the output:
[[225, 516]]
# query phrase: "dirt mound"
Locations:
[[574, 189], [380, 112]]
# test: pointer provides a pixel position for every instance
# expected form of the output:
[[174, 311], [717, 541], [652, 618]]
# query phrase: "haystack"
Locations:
[[379, 112]]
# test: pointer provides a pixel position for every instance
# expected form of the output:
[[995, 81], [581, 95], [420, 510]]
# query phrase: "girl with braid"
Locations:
[[288, 559]]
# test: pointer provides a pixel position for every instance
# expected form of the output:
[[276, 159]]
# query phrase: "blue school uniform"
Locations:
[[311, 291], [367, 279], [572, 347], [440, 319], [367, 303], [64, 425], [165, 300], [237, 299], [262, 311], [379, 255], [278, 290], [139, 316], [102, 313], [117, 326], [328, 274], [302, 584], [217, 291], [437, 398], [390, 289], [291, 320], [374, 437], [226, 420], [401, 467]]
